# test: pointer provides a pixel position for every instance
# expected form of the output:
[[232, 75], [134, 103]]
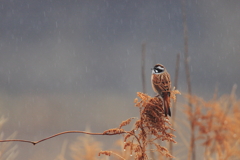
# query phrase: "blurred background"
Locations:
[[72, 65]]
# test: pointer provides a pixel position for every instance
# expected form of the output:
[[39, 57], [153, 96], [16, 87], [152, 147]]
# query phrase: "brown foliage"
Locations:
[[151, 126], [86, 147], [217, 122], [124, 123]]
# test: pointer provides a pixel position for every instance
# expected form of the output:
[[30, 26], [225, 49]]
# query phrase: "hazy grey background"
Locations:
[[68, 64]]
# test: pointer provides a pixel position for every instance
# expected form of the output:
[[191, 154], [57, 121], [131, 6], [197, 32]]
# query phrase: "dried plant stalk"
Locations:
[[151, 127], [143, 67], [217, 122]]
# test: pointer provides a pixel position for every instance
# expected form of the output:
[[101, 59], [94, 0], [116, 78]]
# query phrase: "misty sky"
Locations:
[[65, 65], [71, 45]]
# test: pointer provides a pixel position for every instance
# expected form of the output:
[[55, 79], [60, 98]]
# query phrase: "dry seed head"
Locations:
[[114, 131]]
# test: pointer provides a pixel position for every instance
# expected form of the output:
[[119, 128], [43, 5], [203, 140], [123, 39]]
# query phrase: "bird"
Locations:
[[161, 84]]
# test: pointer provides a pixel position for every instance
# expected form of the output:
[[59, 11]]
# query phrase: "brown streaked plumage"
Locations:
[[161, 84]]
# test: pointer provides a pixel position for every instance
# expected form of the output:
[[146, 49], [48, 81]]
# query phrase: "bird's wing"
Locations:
[[163, 83]]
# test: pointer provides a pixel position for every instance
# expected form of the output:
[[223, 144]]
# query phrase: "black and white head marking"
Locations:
[[158, 69]]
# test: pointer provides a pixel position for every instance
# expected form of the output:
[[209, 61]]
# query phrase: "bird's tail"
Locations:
[[166, 104]]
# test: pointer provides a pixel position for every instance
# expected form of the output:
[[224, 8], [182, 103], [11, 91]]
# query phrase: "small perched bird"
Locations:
[[161, 84]]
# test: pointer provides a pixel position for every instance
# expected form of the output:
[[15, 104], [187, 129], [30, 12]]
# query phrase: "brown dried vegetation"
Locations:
[[7, 150], [217, 123], [85, 148], [150, 127]]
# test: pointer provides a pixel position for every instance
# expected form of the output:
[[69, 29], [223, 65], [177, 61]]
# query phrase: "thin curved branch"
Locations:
[[58, 134], [65, 132]]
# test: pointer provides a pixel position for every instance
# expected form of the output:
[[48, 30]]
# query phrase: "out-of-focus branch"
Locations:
[[174, 104], [143, 67], [191, 154], [176, 85]]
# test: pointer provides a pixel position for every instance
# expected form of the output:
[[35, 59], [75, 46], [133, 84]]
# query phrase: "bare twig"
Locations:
[[66, 132], [61, 133], [191, 154], [143, 67], [176, 86], [174, 104]]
